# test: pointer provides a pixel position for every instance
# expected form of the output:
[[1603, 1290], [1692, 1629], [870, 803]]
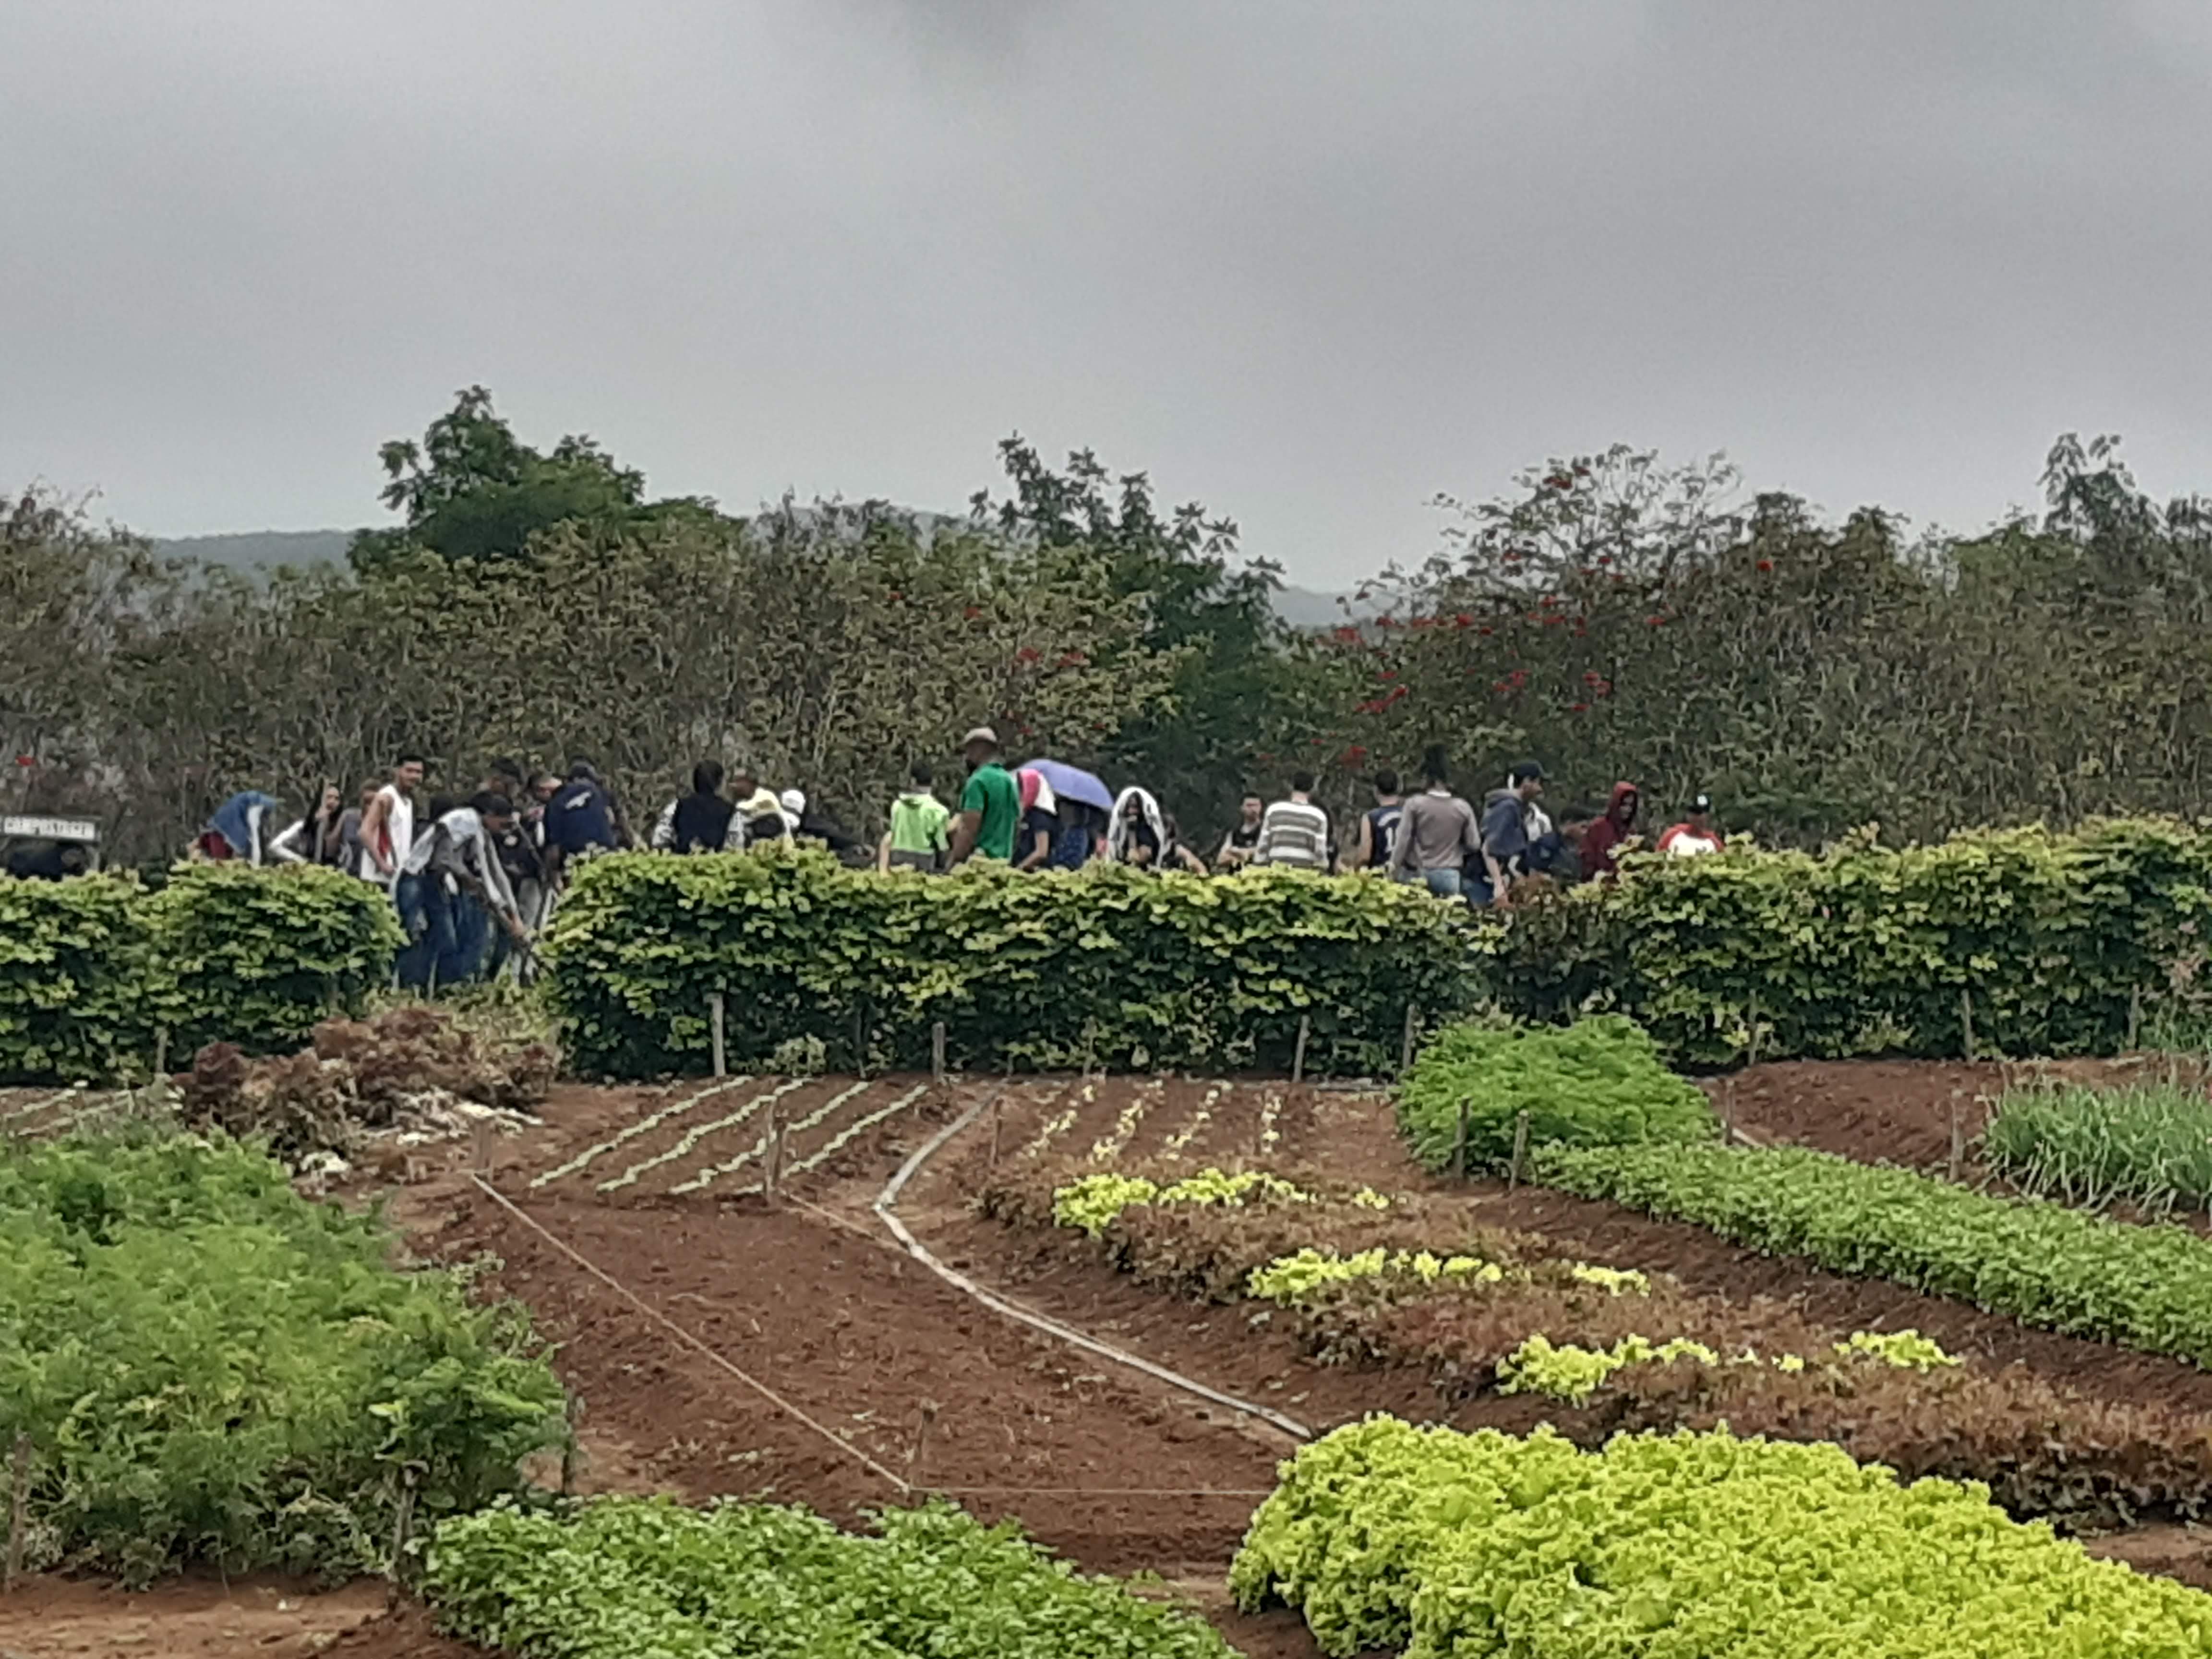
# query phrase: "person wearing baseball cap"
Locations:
[[990, 805], [1695, 836]]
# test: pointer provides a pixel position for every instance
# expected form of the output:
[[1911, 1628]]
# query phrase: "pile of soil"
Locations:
[[359, 1076]]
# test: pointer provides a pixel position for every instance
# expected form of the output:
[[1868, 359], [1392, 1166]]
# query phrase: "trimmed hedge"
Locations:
[[1864, 950], [1130, 967], [92, 970]]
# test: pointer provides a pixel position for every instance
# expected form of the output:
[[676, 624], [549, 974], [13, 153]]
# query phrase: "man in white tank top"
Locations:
[[387, 824]]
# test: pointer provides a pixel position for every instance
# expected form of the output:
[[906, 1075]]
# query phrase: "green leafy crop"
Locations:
[[646, 1578], [1124, 967], [2148, 1144], [213, 1370], [2043, 1264], [1568, 1371], [1677, 1546], [1597, 1082]]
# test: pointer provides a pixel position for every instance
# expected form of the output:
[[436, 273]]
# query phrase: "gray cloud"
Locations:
[[1310, 262]]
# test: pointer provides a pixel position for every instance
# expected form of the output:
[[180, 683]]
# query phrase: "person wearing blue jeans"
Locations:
[[449, 892], [1437, 832]]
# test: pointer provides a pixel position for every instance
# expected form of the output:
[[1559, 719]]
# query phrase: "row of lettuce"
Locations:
[[2020, 942]]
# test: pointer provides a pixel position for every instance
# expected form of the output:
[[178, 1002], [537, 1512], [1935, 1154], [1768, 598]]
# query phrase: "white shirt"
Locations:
[[399, 827]]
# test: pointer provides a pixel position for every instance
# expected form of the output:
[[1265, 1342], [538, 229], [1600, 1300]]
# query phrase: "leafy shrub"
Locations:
[[1676, 1547], [1125, 967], [2055, 939], [2148, 1144], [622, 1577], [1597, 1082], [1568, 1371], [73, 962], [212, 1369], [259, 958], [2043, 1264]]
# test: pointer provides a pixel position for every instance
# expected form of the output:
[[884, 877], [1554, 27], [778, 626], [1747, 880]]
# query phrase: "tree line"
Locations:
[[1612, 616]]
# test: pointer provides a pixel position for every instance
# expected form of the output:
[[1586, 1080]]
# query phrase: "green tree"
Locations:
[[1200, 748], [472, 491]]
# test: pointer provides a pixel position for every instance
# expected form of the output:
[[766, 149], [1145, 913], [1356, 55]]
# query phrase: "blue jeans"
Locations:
[[467, 941], [429, 919], [1445, 884]]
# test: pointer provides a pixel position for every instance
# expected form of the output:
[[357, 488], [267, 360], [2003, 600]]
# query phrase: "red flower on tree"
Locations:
[[1029, 653]]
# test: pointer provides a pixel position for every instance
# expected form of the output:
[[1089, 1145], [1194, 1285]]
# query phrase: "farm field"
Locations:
[[635, 1227]]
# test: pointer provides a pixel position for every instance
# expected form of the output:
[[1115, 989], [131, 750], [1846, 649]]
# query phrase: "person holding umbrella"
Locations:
[[1085, 807]]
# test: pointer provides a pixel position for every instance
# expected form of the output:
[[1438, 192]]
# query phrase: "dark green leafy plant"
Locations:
[[2044, 1264], [259, 958], [1598, 1082], [622, 1577], [213, 1370], [73, 963], [2047, 944], [1128, 968]]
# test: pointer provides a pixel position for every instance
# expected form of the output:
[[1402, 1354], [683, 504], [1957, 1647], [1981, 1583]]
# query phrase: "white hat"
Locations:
[[793, 800], [981, 734]]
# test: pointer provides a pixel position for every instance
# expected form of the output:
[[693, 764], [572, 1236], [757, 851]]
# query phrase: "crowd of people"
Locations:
[[475, 880]]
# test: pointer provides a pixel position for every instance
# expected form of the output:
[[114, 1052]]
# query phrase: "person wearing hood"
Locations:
[[239, 829], [1510, 831], [1138, 834], [918, 838], [808, 824], [700, 822], [1601, 842], [1040, 829]]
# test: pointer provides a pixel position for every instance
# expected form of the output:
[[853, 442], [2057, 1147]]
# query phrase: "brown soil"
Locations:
[[811, 1301], [182, 1619]]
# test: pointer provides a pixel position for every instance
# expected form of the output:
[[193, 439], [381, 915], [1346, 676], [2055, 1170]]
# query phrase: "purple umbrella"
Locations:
[[1072, 783]]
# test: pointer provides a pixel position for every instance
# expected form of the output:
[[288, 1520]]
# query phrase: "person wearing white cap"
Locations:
[[990, 805]]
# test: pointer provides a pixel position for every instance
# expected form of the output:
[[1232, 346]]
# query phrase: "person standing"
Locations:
[[1378, 826], [313, 839], [990, 805], [1695, 836], [1294, 833], [1236, 847], [1139, 832], [1040, 829], [352, 857], [917, 838], [387, 824], [1505, 829], [1602, 841], [699, 822], [1436, 833]]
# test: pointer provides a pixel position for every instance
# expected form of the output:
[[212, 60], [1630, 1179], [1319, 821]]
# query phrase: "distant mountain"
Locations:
[[1302, 607], [261, 549]]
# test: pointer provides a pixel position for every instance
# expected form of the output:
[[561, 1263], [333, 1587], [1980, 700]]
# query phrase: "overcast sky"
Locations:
[[1309, 263]]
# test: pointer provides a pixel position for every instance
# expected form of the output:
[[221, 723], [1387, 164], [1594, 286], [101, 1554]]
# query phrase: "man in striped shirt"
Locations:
[[1295, 832]]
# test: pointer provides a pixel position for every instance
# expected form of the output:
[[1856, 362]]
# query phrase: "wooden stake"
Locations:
[[402, 1525], [775, 1170], [1459, 1145], [2135, 1017], [1966, 1021], [937, 1053], [569, 1452], [1299, 1058], [161, 1052], [1957, 1137], [1405, 1048], [994, 1131], [714, 1015], [19, 1510], [1520, 1151], [860, 1038], [1728, 1110], [1751, 1049]]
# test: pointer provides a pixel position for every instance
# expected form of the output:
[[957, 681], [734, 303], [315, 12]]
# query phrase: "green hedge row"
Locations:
[[1129, 967], [2056, 941], [94, 971]]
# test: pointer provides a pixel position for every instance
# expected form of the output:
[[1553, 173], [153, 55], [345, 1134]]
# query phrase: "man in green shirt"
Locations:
[[917, 840], [990, 806]]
